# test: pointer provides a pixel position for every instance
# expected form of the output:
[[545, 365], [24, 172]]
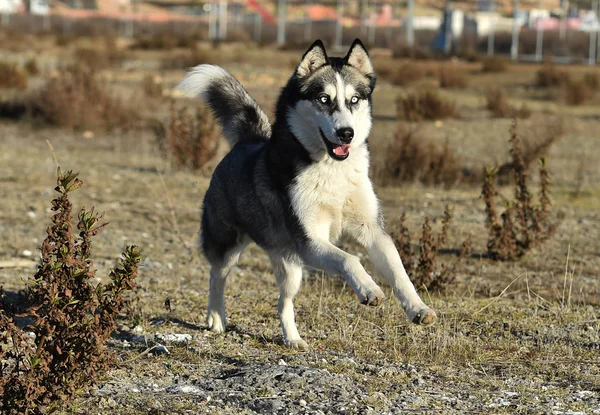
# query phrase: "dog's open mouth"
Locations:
[[336, 151]]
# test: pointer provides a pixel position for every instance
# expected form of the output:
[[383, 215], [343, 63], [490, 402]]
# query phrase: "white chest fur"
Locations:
[[321, 191]]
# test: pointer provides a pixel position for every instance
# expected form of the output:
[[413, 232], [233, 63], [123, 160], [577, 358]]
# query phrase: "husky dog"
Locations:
[[295, 186]]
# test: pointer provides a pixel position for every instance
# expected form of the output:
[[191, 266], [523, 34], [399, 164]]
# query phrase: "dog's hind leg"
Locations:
[[289, 277], [219, 271]]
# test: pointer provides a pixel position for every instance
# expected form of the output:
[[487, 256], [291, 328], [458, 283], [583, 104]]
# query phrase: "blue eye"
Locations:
[[324, 99], [354, 100]]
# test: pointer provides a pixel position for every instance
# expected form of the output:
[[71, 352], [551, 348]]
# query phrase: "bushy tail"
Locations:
[[240, 117]]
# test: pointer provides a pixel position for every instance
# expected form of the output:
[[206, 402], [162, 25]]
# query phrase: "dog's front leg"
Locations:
[[386, 259], [328, 257]]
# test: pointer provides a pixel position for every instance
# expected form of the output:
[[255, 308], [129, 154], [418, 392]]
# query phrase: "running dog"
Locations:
[[295, 186]]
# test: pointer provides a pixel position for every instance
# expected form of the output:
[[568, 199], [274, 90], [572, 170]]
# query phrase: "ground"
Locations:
[[512, 337]]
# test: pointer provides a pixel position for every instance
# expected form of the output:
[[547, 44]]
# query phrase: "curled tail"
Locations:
[[240, 117]]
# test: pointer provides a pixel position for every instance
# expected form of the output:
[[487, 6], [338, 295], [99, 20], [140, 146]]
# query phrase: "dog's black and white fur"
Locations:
[[295, 186]]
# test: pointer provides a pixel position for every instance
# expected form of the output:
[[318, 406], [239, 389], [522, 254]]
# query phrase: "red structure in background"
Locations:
[[267, 17]]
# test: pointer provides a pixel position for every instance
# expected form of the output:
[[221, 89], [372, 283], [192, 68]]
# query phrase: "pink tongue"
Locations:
[[342, 150]]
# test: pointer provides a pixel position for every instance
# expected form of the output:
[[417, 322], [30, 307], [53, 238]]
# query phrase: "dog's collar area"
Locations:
[[343, 149]]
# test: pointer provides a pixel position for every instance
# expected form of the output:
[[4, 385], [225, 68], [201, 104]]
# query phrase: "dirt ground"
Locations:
[[512, 337]]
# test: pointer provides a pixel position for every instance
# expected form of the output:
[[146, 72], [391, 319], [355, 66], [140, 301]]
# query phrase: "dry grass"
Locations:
[[11, 76], [401, 75], [190, 139], [152, 85], [425, 105], [575, 92], [500, 107], [549, 77], [76, 99], [452, 77], [592, 80], [493, 64], [411, 158], [188, 59]]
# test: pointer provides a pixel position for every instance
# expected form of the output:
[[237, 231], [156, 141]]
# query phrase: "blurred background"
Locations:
[[526, 30]]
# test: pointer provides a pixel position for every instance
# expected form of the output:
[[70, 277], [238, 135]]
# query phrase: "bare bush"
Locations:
[[549, 76], [422, 264], [425, 105], [188, 140], [592, 80], [452, 77], [575, 92], [76, 99], [186, 59], [11, 76], [152, 85], [73, 319], [411, 158], [500, 107], [523, 224], [401, 75], [493, 64]]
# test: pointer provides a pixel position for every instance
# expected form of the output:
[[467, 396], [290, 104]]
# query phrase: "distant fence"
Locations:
[[219, 23]]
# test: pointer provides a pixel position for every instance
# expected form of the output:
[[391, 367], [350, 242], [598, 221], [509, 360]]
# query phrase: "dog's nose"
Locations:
[[345, 134]]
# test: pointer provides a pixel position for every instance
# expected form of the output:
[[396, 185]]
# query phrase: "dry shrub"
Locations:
[[411, 158], [401, 75], [548, 76], [575, 92], [500, 107], [152, 85], [188, 140], [100, 57], [425, 105], [31, 67], [451, 77], [166, 40], [494, 64], [422, 266], [531, 150], [187, 59], [592, 80], [11, 76], [523, 225], [62, 352], [76, 99]]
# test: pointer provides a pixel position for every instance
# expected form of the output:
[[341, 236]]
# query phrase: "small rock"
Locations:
[[159, 349], [31, 214], [302, 402], [27, 253], [176, 338]]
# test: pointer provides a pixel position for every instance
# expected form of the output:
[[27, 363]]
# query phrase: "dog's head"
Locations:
[[329, 107]]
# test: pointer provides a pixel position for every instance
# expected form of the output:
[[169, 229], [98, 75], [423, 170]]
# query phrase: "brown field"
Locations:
[[512, 337]]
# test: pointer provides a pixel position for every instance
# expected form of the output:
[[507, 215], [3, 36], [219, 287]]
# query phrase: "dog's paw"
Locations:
[[425, 317], [297, 345], [215, 322], [373, 297]]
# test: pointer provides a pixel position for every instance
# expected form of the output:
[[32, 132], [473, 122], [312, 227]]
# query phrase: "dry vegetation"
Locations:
[[500, 107], [11, 76], [452, 77], [425, 105], [493, 64], [523, 225], [411, 158], [190, 139], [63, 350], [422, 264], [76, 99]]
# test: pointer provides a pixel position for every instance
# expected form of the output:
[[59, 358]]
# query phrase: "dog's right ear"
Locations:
[[313, 59]]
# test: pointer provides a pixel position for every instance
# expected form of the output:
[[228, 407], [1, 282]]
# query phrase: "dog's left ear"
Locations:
[[358, 58]]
